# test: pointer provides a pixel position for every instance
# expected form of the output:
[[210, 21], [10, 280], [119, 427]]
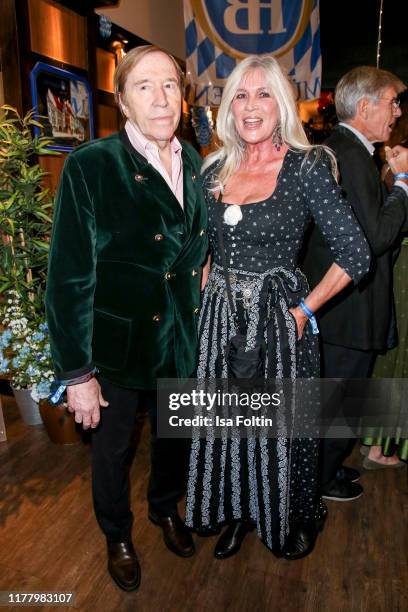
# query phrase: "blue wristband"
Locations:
[[400, 175], [59, 386], [310, 315], [55, 397]]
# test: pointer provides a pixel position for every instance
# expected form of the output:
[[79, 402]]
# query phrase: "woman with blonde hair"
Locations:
[[262, 188]]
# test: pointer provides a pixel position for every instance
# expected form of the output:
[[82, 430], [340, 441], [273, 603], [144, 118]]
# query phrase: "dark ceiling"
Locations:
[[349, 31]]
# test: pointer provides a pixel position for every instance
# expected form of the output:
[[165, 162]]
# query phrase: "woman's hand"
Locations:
[[300, 318]]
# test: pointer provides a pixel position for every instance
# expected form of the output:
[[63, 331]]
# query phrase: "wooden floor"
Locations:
[[49, 540]]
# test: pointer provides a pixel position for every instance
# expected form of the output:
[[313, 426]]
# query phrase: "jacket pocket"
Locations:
[[111, 340]]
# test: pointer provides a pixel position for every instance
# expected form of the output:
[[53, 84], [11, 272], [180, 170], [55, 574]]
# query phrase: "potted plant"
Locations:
[[25, 228], [25, 356]]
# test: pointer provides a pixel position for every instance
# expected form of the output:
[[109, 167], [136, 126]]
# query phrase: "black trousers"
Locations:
[[341, 362], [111, 450]]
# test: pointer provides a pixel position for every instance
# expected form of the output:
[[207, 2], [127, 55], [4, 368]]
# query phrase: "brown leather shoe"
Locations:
[[176, 536], [123, 565]]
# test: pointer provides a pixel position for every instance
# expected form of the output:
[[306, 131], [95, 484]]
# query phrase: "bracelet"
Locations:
[[400, 175], [55, 396], [310, 315]]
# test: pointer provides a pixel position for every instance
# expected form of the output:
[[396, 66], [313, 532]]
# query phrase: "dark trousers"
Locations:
[[341, 362], [111, 442]]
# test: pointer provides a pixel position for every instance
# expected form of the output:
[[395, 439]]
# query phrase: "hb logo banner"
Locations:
[[219, 33]]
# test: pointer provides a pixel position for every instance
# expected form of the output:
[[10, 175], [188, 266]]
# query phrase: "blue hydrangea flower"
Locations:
[[16, 362], [24, 351], [4, 364], [5, 338], [38, 336], [43, 388]]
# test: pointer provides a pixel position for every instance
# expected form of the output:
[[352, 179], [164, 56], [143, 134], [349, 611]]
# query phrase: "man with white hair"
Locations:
[[356, 324]]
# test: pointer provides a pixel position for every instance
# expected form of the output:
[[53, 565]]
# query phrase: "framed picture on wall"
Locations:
[[64, 100]]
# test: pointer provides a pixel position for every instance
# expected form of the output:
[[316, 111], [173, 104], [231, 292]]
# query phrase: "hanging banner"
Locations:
[[219, 33]]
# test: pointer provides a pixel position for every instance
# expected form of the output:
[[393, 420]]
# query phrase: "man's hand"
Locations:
[[397, 159], [85, 399]]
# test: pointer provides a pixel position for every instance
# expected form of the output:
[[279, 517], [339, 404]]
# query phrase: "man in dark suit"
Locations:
[[129, 238], [356, 324]]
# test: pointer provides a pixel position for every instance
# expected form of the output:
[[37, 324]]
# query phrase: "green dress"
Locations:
[[394, 363]]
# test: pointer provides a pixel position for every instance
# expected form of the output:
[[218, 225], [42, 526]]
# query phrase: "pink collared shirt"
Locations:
[[150, 151]]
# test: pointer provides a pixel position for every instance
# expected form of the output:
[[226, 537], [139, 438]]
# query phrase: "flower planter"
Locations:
[[25, 222], [29, 409], [59, 423]]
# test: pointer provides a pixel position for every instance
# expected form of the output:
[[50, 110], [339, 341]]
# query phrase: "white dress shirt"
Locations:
[[150, 151]]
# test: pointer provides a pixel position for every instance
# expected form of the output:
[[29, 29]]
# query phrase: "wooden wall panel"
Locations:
[[53, 165], [105, 68], [58, 32], [108, 119], [14, 43]]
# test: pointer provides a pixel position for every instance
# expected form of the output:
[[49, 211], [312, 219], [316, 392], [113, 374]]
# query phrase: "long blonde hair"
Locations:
[[232, 151]]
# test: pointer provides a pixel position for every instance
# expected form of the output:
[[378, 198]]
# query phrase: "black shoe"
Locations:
[[342, 490], [176, 535], [347, 473], [230, 541], [300, 543], [123, 565]]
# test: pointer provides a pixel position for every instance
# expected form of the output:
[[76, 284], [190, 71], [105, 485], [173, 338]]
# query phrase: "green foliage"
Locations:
[[25, 209]]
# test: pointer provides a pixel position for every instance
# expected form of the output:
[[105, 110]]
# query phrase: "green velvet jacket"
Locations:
[[124, 275]]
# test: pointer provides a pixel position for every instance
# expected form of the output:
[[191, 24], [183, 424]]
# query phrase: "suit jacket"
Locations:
[[359, 317], [125, 266]]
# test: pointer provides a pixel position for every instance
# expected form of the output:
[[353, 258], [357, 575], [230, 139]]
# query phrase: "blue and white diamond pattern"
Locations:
[[208, 66]]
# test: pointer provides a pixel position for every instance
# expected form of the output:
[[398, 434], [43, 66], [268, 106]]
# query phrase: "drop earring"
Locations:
[[277, 137]]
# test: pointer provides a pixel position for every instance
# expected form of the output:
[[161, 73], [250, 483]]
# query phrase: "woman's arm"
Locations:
[[332, 282], [206, 271], [349, 249]]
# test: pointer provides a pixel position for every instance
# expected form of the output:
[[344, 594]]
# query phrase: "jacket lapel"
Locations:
[[152, 184], [340, 129], [344, 132]]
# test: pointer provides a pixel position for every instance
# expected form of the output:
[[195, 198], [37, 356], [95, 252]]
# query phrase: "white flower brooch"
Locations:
[[232, 214]]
